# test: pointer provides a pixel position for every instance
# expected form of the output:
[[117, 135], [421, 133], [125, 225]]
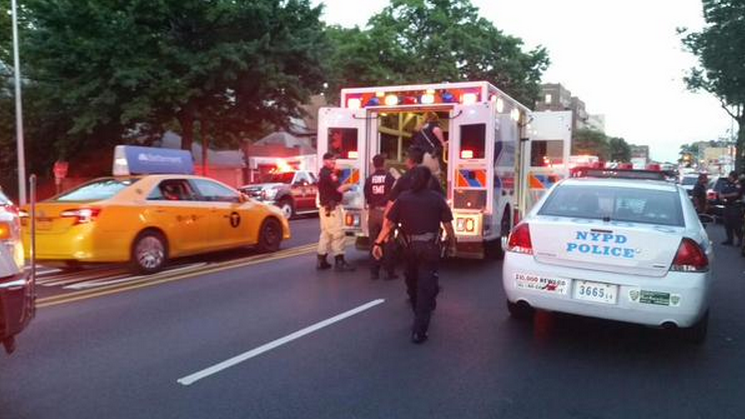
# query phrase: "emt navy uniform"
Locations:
[[378, 187], [732, 212]]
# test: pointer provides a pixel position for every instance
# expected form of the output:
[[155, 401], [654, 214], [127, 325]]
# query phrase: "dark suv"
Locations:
[[294, 192], [716, 206], [17, 304]]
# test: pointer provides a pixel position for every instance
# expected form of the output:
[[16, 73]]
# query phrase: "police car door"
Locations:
[[471, 168]]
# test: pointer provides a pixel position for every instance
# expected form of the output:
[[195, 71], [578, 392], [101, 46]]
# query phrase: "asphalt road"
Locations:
[[128, 354]]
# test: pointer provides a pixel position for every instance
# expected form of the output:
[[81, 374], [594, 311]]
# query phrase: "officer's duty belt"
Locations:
[[425, 237]]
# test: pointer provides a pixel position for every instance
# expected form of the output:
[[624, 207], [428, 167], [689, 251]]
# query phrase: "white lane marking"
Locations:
[[191, 379], [111, 281], [81, 276], [41, 271]]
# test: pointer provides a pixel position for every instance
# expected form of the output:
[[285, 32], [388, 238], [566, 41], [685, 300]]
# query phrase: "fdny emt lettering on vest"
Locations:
[[602, 244]]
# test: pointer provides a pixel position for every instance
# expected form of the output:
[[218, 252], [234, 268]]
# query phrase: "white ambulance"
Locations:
[[487, 133]]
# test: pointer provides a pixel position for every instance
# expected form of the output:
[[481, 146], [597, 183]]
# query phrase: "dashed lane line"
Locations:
[[199, 375]]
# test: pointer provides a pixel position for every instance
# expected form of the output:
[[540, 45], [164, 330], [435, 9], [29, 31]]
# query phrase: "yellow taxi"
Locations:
[[147, 220]]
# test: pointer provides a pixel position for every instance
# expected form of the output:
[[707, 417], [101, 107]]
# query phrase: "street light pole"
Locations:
[[19, 111]]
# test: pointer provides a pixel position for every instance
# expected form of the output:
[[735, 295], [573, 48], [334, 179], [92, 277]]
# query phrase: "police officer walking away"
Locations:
[[377, 188], [330, 194], [420, 212], [731, 194]]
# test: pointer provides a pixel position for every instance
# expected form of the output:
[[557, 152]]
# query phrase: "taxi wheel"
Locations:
[[149, 252], [270, 236], [697, 333], [288, 210]]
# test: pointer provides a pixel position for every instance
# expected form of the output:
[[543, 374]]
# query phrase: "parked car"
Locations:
[[716, 205], [294, 192], [17, 303], [617, 249]]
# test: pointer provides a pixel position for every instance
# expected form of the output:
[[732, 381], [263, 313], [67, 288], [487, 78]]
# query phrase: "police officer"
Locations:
[[731, 193], [377, 188], [330, 194], [414, 158], [698, 194], [420, 212]]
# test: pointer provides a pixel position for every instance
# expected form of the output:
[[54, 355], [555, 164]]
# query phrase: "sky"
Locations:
[[624, 59]]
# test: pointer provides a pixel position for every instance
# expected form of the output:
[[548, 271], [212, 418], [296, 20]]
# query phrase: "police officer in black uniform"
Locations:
[[414, 158], [731, 194], [420, 212], [377, 188]]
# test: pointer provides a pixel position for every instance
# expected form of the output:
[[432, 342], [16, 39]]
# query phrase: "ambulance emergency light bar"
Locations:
[[135, 160]]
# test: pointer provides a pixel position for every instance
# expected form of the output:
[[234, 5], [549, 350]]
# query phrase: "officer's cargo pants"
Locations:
[[422, 261], [332, 232], [733, 222], [375, 220]]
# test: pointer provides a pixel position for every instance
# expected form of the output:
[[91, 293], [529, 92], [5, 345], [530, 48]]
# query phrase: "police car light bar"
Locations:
[[618, 173], [135, 160]]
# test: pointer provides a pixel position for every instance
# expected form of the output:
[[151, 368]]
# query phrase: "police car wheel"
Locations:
[[270, 236], [149, 252], [288, 210], [697, 332], [520, 310]]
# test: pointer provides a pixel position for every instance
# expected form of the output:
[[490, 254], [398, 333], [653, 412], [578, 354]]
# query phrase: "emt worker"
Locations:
[[420, 212], [330, 194], [377, 189]]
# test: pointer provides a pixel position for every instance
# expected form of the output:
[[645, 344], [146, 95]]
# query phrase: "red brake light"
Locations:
[[520, 241], [690, 258], [6, 231], [82, 215]]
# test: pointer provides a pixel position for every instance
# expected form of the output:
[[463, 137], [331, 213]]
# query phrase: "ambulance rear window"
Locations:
[[343, 143], [473, 141], [633, 205]]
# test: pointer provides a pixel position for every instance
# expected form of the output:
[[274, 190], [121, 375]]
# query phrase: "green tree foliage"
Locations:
[[433, 41], [618, 150], [720, 48], [590, 142], [105, 70]]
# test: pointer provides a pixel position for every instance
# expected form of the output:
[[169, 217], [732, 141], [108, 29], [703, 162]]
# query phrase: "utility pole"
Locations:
[[19, 111]]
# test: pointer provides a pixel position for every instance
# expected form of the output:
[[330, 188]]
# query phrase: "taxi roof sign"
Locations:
[[135, 160]]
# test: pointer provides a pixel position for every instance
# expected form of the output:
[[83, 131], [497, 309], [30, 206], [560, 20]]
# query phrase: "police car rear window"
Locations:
[[634, 205], [97, 190]]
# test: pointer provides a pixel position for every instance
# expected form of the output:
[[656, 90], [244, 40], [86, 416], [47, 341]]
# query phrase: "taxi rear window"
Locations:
[[615, 204], [96, 190]]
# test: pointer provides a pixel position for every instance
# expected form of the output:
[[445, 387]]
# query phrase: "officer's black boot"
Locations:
[[322, 263], [341, 265]]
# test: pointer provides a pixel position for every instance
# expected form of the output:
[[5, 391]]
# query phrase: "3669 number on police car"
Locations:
[[627, 250]]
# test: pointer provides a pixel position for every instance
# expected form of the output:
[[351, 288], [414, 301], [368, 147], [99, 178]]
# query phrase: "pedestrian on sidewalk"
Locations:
[[330, 194], [420, 212], [377, 190]]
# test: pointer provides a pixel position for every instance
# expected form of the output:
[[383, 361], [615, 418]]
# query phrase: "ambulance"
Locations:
[[485, 172]]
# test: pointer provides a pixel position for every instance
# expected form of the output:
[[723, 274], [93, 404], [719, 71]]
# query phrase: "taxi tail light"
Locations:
[[690, 258], [82, 215], [520, 241]]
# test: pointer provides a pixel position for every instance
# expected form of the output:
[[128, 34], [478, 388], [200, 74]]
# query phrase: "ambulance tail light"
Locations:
[[690, 258], [82, 215], [520, 241], [352, 220], [467, 225]]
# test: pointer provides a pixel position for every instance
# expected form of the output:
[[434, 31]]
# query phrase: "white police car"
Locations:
[[619, 249]]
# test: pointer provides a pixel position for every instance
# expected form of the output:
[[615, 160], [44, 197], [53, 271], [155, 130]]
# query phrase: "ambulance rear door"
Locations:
[[471, 169]]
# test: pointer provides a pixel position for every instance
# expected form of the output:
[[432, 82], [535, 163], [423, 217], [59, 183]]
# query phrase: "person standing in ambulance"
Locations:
[[430, 138], [330, 194]]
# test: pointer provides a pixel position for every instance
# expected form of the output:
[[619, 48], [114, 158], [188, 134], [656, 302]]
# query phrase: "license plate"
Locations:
[[597, 292], [540, 283]]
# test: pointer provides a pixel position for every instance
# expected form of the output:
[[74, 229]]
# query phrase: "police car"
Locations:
[[613, 248]]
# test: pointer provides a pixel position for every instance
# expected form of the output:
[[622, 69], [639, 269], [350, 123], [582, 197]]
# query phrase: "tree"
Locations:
[[433, 41], [720, 48], [219, 68], [590, 142], [619, 150]]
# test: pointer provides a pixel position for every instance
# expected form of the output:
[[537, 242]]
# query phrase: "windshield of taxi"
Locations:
[[97, 190], [645, 206]]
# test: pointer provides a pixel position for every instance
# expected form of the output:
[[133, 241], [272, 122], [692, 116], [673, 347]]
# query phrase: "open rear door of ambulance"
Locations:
[[342, 131]]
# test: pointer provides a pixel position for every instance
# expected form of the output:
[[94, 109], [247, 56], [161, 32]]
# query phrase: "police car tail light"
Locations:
[[520, 240], [82, 215], [690, 258]]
